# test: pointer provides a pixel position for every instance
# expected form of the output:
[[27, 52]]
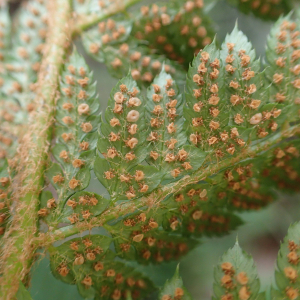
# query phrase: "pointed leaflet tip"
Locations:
[[214, 42], [236, 26], [177, 270], [129, 73], [237, 240]]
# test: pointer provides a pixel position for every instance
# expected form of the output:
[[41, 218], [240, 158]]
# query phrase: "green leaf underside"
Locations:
[[167, 139], [236, 276], [82, 206], [226, 99], [174, 288], [283, 68], [20, 54], [176, 28], [141, 238], [88, 263], [122, 144], [228, 104], [263, 9], [78, 119], [111, 42], [22, 60], [286, 275], [193, 212]]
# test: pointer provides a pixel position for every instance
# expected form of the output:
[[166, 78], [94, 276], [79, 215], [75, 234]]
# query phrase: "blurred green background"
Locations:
[[260, 236]]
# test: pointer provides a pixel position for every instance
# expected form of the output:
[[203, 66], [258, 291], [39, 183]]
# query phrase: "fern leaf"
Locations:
[[111, 42], [243, 186], [10, 112], [206, 114], [88, 263], [227, 103], [264, 9], [109, 33], [191, 30], [178, 28], [140, 237], [77, 121], [195, 212], [244, 84], [281, 169], [167, 140], [23, 61], [174, 289], [82, 206], [283, 69], [286, 275], [236, 276], [121, 143], [20, 62]]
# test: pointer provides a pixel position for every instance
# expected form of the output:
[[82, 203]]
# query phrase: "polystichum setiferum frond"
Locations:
[[193, 134]]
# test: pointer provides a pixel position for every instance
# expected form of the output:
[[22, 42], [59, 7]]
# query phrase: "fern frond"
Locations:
[[176, 167], [174, 289], [206, 114], [286, 275], [109, 33], [111, 42], [82, 206], [195, 211], [236, 276], [167, 139], [19, 63], [179, 29], [283, 54], [10, 114], [88, 263], [191, 30], [227, 103], [243, 186], [140, 237], [122, 144], [245, 87], [265, 9], [281, 169], [77, 121], [23, 61]]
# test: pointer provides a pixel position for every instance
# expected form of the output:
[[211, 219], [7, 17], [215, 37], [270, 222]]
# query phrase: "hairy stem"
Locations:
[[19, 250], [83, 22], [155, 198]]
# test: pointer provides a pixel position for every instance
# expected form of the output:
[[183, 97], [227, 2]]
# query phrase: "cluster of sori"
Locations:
[[228, 105], [236, 277], [266, 9]]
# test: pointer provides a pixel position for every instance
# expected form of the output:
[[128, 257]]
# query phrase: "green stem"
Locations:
[[160, 194], [19, 249]]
